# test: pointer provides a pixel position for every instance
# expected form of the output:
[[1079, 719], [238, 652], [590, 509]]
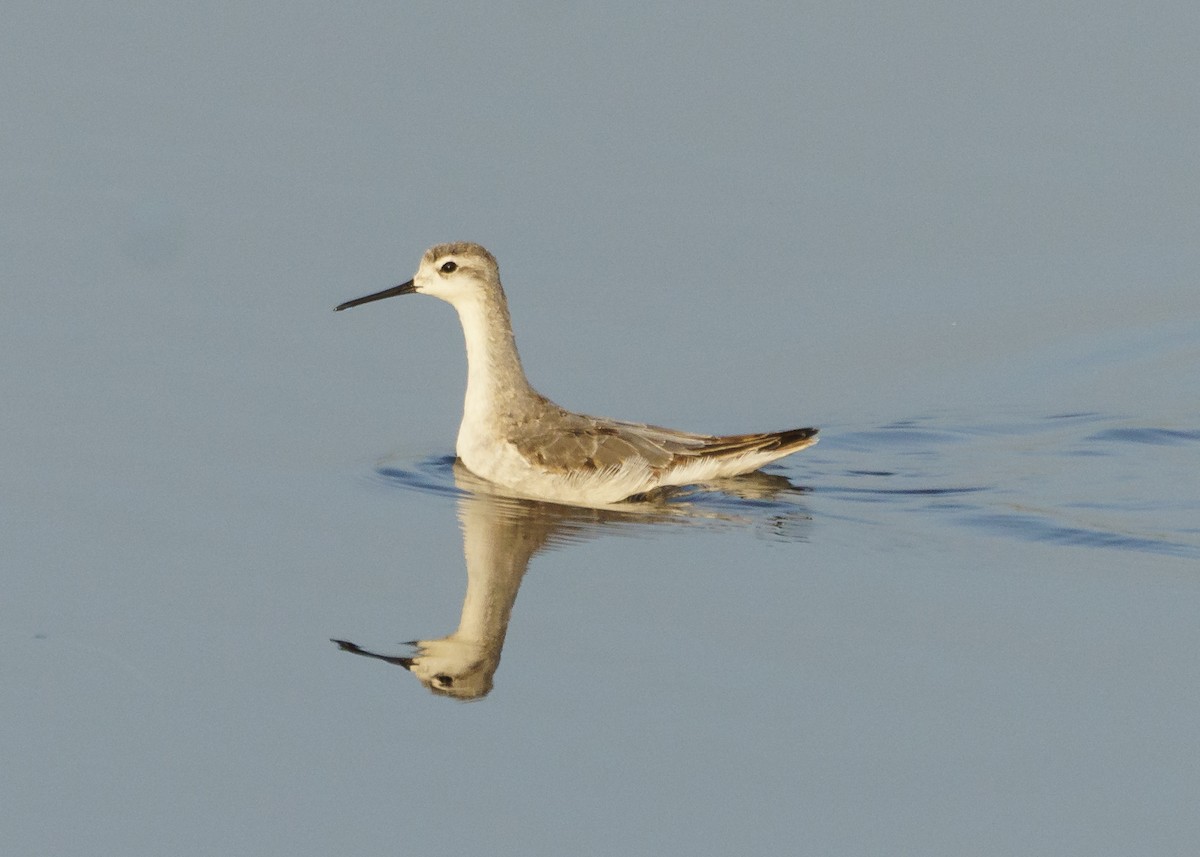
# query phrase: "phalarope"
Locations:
[[515, 437]]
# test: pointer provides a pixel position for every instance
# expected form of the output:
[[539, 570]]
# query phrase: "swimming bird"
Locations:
[[515, 437]]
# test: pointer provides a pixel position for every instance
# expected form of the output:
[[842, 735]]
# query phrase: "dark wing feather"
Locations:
[[573, 442]]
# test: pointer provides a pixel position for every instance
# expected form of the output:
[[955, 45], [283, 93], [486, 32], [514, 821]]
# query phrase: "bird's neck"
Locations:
[[496, 383]]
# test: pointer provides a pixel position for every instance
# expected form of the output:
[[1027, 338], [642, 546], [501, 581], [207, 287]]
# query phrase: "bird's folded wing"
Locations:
[[574, 442]]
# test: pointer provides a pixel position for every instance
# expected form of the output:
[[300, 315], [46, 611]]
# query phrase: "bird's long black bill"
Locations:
[[347, 646], [402, 289]]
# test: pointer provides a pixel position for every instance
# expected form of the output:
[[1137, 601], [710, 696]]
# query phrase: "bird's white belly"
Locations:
[[498, 461], [492, 458]]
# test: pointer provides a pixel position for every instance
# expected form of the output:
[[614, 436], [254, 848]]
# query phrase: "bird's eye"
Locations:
[[449, 267]]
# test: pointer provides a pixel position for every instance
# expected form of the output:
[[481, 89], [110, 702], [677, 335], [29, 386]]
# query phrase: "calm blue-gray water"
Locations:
[[961, 240]]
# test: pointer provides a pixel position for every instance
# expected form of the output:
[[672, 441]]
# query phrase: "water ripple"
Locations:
[[1043, 528], [1153, 436], [1081, 479]]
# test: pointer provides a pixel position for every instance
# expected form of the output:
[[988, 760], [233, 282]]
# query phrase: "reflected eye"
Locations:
[[442, 679], [449, 268]]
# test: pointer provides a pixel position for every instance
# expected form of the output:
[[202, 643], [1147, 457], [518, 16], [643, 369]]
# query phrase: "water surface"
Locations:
[[961, 240]]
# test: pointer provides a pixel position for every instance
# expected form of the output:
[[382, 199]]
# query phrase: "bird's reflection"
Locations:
[[502, 533]]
